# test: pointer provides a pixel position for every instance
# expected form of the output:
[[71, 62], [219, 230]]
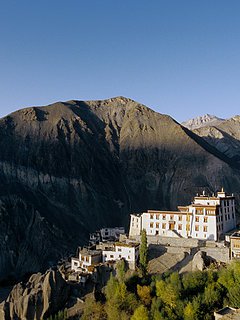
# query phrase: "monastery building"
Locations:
[[206, 218]]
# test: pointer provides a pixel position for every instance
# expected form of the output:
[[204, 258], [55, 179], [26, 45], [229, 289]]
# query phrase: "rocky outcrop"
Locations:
[[42, 296], [198, 262], [72, 167]]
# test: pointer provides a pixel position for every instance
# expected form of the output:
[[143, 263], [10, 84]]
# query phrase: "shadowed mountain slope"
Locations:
[[69, 168]]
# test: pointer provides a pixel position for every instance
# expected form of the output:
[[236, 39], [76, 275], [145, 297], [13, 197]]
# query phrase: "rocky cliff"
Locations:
[[41, 296], [71, 167]]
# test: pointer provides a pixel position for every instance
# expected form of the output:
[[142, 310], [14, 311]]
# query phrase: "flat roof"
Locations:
[[123, 244], [235, 235], [90, 252], [166, 212]]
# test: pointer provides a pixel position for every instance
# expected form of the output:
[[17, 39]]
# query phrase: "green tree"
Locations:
[[93, 310], [143, 253], [144, 293], [141, 313], [121, 270]]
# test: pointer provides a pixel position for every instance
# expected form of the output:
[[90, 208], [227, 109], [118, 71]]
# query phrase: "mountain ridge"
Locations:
[[69, 168]]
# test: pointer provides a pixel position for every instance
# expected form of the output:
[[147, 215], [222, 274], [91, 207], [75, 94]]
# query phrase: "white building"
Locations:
[[86, 260], [127, 251], [206, 218]]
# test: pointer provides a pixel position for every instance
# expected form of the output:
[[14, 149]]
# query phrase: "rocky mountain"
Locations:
[[41, 296], [224, 136], [202, 121], [71, 167]]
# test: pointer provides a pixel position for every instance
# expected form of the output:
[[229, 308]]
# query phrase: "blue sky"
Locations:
[[176, 56]]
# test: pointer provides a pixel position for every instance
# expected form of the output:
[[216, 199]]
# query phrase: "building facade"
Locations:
[[86, 260], [126, 251], [235, 245], [206, 218]]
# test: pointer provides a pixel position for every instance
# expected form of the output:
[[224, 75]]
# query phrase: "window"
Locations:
[[82, 258], [196, 228], [164, 217], [187, 227], [75, 263], [205, 219], [171, 217], [179, 218], [151, 225], [199, 211], [233, 215], [197, 219], [179, 227], [87, 258], [228, 216], [157, 225], [205, 228], [128, 257], [120, 256], [111, 256], [164, 225], [119, 249], [151, 216]]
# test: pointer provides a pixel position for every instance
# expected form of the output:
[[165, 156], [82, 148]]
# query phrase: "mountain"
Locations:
[[72, 167], [202, 121], [224, 136]]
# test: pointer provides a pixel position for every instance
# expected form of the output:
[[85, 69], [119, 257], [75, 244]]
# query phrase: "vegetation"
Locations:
[[61, 315], [143, 253], [192, 296]]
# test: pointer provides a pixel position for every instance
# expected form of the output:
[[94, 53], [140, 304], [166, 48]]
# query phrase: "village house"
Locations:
[[235, 245], [127, 251], [86, 260], [208, 217], [106, 234]]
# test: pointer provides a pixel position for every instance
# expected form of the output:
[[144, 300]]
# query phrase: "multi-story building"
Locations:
[[127, 251], [86, 260], [208, 217]]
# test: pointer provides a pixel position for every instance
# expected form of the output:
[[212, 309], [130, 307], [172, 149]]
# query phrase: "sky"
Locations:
[[181, 58]]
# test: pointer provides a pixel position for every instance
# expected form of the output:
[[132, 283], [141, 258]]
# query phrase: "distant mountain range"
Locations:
[[202, 121], [72, 167], [223, 134]]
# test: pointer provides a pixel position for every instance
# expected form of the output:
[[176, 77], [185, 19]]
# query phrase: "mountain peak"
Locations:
[[202, 121]]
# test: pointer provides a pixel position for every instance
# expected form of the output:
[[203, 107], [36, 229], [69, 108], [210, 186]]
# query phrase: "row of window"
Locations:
[[85, 258], [171, 217], [220, 227], [208, 211], [179, 227], [119, 256]]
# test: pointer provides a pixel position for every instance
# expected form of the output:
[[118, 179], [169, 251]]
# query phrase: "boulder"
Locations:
[[198, 262]]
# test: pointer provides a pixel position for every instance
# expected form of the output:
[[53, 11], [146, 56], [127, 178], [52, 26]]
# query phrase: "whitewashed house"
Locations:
[[208, 217], [86, 260], [127, 251]]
